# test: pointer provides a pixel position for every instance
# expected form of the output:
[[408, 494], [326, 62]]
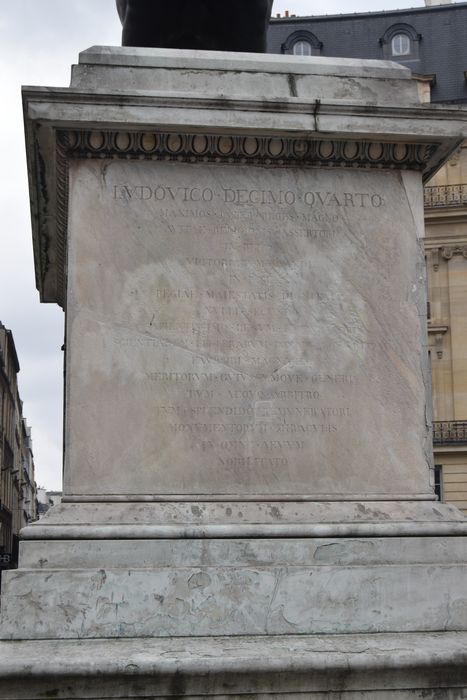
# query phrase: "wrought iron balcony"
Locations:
[[445, 196], [449, 432]]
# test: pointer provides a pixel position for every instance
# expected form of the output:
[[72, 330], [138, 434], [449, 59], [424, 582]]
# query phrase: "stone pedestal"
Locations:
[[237, 243]]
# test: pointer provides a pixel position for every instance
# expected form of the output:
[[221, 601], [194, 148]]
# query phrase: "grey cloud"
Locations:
[[38, 43]]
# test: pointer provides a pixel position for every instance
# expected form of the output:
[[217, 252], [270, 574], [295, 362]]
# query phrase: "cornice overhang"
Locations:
[[64, 124]]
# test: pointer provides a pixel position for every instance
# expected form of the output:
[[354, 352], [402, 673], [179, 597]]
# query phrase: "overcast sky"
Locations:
[[39, 40]]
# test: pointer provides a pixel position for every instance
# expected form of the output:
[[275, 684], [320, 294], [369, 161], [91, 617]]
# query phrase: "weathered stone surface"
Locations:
[[239, 519], [146, 554], [349, 667], [396, 514], [242, 331], [214, 73], [161, 587], [202, 61], [239, 600], [247, 434]]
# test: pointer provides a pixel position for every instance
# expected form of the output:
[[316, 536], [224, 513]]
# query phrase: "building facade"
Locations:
[[431, 41], [18, 504], [446, 256]]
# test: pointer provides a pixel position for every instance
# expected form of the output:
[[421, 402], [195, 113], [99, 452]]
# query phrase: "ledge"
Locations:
[[245, 62], [197, 520], [193, 666]]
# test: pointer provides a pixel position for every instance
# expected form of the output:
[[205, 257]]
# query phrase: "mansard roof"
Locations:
[[440, 32]]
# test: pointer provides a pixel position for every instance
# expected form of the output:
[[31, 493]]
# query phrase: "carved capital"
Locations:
[[448, 252]]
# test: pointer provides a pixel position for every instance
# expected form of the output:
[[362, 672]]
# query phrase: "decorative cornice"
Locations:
[[448, 252], [437, 329], [217, 148], [41, 243], [62, 214], [261, 150], [447, 240]]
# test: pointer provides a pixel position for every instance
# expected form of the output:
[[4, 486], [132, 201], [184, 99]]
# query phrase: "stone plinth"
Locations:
[[373, 667], [379, 571], [236, 241]]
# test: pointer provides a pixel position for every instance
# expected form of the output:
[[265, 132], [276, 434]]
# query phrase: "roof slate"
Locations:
[[442, 47]]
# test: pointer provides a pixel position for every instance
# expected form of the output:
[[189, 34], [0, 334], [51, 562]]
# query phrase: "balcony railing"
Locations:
[[449, 432], [445, 196]]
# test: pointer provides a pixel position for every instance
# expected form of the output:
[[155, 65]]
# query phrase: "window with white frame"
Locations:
[[302, 48], [400, 45]]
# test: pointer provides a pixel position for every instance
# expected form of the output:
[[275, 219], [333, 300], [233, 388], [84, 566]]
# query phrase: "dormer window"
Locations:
[[400, 42], [302, 43]]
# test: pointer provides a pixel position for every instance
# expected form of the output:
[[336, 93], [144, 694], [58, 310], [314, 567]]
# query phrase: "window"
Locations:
[[302, 48], [400, 45], [302, 43], [439, 481]]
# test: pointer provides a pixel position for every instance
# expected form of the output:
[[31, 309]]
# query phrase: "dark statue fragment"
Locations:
[[212, 25]]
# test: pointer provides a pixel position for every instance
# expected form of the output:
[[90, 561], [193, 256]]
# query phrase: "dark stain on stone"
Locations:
[[292, 85], [177, 686]]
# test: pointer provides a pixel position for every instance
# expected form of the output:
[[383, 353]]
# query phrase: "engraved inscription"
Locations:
[[245, 342], [247, 310], [184, 194]]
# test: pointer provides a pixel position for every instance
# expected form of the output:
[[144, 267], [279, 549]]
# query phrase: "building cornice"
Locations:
[[448, 242]]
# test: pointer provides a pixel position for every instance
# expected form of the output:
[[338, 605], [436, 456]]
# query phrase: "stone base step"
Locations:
[[353, 667], [181, 588]]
